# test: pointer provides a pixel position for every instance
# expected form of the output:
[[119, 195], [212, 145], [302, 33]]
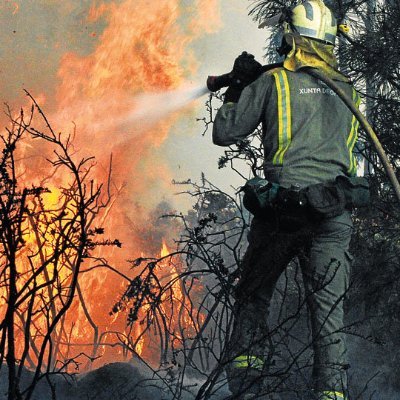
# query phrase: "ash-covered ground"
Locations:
[[369, 380], [114, 381]]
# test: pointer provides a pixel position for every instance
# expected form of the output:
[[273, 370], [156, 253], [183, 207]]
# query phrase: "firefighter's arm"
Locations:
[[235, 121]]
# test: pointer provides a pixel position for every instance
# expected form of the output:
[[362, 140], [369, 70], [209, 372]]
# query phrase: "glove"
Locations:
[[232, 95], [245, 70]]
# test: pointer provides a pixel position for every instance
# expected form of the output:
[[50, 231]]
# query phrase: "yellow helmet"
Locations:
[[313, 19]]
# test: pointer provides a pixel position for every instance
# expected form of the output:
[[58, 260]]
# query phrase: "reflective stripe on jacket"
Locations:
[[309, 133]]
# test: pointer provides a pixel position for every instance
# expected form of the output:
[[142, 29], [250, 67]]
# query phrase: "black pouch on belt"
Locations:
[[325, 199], [331, 199], [355, 189]]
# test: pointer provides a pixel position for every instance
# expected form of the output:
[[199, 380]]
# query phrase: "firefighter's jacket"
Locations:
[[308, 132]]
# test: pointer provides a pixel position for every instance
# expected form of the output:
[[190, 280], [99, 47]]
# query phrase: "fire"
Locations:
[[139, 337], [164, 250], [144, 47], [47, 215], [175, 306]]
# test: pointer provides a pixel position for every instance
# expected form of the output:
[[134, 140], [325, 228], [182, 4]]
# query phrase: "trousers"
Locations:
[[322, 248]]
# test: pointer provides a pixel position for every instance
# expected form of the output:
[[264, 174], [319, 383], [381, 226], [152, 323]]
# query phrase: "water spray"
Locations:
[[151, 108]]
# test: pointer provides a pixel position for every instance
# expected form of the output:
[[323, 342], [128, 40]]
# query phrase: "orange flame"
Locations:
[[145, 47]]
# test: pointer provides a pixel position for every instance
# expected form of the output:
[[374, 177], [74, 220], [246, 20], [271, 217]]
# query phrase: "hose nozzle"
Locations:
[[215, 83]]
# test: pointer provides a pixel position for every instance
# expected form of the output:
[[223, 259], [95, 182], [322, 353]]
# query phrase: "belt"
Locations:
[[292, 197]]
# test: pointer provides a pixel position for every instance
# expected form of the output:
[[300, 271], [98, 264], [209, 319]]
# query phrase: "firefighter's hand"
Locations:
[[232, 94], [245, 70]]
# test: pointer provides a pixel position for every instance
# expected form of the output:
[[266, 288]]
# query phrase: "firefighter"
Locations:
[[308, 137]]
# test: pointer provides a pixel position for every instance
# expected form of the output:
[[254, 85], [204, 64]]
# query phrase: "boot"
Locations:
[[331, 395], [245, 376]]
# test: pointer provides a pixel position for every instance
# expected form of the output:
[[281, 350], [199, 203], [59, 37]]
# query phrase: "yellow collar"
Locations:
[[310, 53]]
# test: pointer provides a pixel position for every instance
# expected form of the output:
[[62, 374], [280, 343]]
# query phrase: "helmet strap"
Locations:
[[284, 48]]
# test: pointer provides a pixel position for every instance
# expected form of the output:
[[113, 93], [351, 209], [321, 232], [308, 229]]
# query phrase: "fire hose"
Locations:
[[225, 80], [364, 123]]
